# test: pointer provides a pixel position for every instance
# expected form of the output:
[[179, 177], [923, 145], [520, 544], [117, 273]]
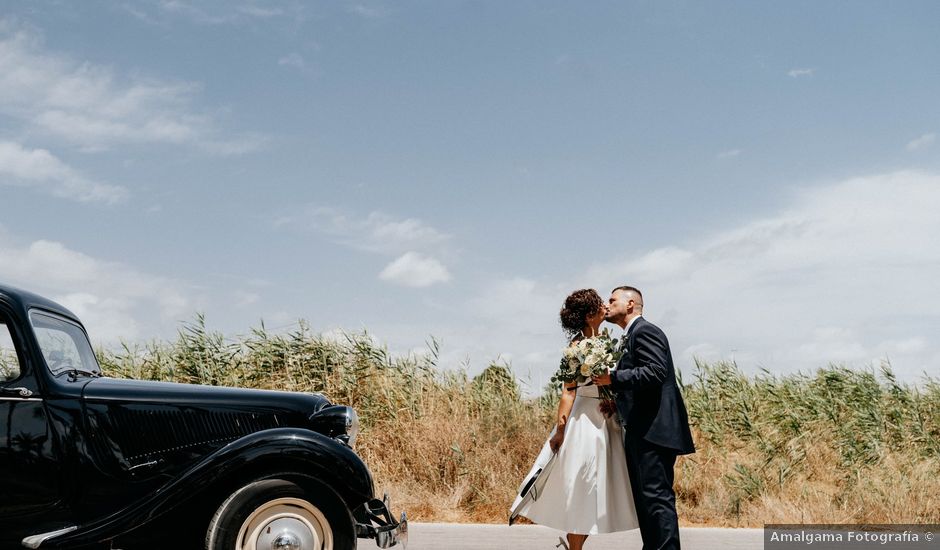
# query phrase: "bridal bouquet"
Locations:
[[590, 357]]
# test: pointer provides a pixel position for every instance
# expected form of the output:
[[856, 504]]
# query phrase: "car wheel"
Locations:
[[274, 514]]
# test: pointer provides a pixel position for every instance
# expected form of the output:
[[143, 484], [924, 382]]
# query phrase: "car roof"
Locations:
[[24, 301]]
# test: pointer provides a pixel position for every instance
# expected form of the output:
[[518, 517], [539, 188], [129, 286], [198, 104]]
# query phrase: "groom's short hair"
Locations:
[[626, 288]]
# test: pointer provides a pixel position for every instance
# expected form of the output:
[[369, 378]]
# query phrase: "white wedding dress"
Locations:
[[587, 490]]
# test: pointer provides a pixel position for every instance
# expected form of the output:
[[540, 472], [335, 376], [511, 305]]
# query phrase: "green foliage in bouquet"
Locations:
[[586, 358]]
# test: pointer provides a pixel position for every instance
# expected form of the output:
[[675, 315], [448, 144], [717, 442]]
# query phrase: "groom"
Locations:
[[657, 425]]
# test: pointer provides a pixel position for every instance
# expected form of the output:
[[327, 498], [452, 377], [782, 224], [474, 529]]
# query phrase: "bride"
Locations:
[[586, 490]]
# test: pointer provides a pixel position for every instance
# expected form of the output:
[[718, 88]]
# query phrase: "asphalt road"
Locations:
[[454, 536]]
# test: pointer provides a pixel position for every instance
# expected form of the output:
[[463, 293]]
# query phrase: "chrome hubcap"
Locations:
[[286, 541], [287, 534], [285, 524]]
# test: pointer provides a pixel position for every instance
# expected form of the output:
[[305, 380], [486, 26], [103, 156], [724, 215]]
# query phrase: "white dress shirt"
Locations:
[[626, 329]]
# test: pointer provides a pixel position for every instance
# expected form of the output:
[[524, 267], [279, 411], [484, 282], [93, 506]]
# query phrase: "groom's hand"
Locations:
[[601, 379]]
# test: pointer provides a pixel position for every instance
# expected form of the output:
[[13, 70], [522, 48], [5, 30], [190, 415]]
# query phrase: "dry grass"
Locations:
[[840, 446], [837, 446]]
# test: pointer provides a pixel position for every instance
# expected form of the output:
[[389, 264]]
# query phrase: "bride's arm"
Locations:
[[564, 410]]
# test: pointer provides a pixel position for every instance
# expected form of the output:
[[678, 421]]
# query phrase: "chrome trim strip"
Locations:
[[20, 398], [35, 541]]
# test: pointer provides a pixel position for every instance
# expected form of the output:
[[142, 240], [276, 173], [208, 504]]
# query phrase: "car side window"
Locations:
[[63, 344], [9, 362]]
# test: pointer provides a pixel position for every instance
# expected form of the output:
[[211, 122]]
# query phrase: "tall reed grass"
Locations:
[[834, 446]]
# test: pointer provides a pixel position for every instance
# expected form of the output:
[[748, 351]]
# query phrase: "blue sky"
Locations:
[[768, 173]]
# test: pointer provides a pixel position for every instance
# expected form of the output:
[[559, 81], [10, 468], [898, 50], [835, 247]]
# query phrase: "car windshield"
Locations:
[[64, 344]]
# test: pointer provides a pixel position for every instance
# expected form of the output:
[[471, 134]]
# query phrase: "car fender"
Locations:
[[275, 451]]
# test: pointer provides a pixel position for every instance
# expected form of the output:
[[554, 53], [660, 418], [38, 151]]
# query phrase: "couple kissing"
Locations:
[[609, 462]]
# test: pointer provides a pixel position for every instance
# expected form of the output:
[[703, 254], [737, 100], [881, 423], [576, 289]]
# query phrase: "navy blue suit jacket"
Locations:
[[646, 390]]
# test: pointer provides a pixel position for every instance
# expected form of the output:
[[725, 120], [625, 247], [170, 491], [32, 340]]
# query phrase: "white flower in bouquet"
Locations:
[[586, 358], [583, 347], [586, 370]]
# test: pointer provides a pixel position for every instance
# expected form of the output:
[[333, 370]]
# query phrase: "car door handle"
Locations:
[[19, 392]]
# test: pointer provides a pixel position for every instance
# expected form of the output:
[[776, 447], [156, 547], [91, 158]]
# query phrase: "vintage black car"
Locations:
[[88, 461]]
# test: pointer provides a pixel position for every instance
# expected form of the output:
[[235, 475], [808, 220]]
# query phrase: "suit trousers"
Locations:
[[652, 473]]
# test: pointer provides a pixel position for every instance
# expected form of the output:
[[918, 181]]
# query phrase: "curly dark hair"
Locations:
[[579, 305]]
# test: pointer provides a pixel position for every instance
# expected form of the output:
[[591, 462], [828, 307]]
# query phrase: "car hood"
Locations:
[[140, 434], [134, 422], [114, 390]]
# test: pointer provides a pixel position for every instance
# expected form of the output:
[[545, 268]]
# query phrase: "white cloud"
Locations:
[[138, 13], [224, 13], [293, 59], [386, 231], [731, 153], [375, 232], [846, 274], [163, 12], [196, 14], [368, 12], [415, 270], [111, 298], [515, 298], [244, 299], [90, 106], [513, 319], [921, 142], [42, 169], [239, 145], [258, 11], [379, 233], [796, 73]]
